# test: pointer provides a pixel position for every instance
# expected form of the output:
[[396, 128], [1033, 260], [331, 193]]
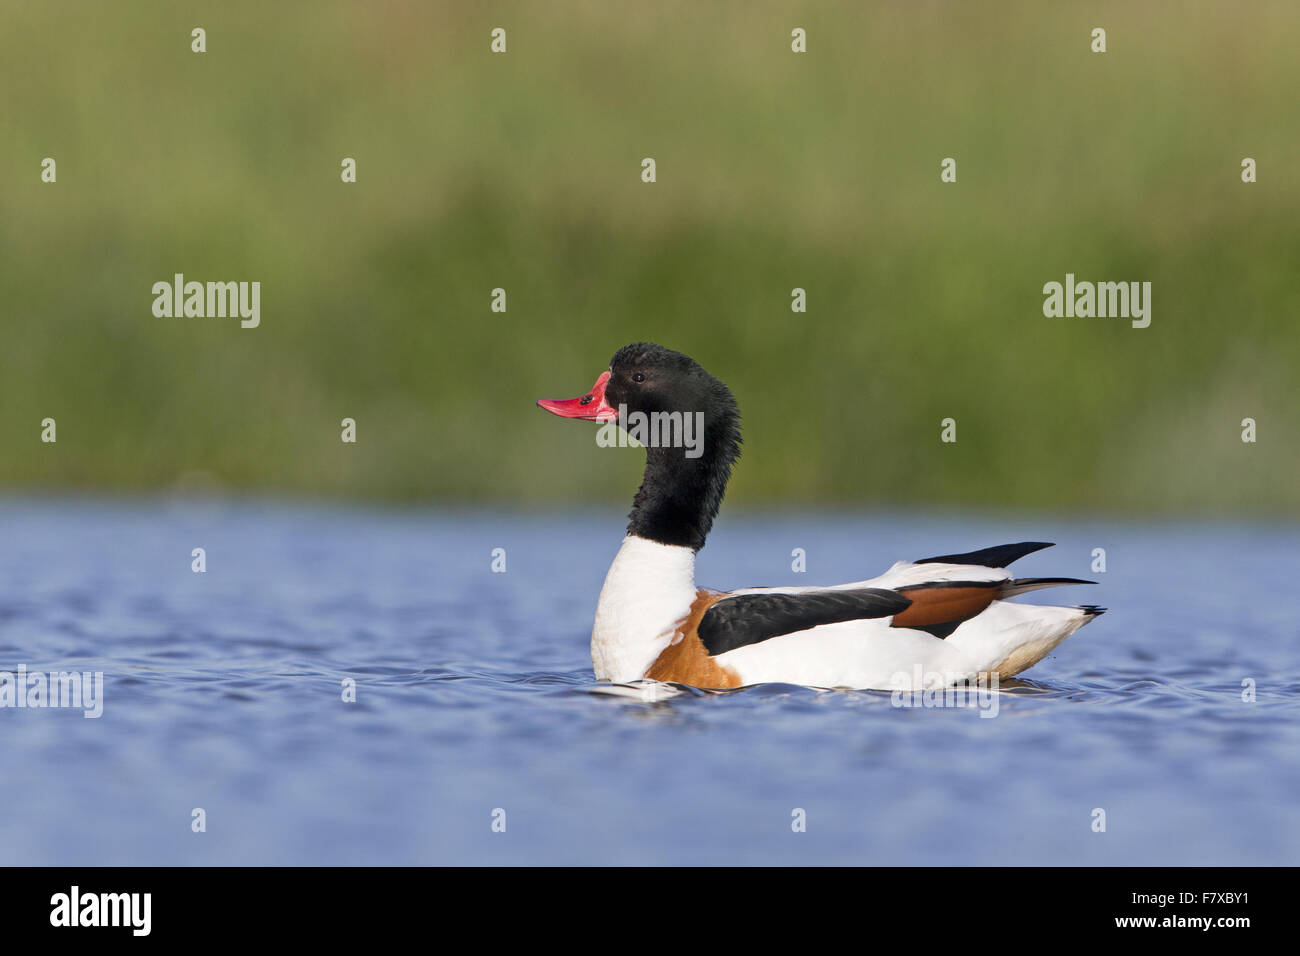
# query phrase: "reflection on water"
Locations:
[[223, 690]]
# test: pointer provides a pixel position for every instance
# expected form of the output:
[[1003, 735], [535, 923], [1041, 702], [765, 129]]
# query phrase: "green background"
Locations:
[[775, 170]]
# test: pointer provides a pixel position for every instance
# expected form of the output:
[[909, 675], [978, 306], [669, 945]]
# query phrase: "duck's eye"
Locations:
[[638, 377]]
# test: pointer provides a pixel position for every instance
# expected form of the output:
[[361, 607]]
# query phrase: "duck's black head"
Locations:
[[690, 425]]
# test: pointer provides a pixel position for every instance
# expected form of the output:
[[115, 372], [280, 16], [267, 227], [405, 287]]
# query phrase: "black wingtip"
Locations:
[[1050, 581], [1093, 610], [995, 557]]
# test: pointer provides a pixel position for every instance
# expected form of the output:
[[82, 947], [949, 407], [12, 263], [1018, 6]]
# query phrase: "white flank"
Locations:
[[1006, 638]]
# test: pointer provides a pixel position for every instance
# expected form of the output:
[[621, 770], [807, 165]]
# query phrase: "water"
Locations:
[[474, 693]]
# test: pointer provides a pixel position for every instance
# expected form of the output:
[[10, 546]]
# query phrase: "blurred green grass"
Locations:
[[775, 170]]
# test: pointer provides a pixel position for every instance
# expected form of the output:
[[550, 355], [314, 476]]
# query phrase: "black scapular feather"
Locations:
[[750, 618]]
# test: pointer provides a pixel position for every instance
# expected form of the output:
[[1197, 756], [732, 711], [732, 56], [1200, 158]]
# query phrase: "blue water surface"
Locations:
[[476, 703]]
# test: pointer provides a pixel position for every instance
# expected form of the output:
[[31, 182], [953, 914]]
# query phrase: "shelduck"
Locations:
[[933, 622]]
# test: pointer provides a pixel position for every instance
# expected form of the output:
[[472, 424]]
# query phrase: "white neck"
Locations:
[[648, 591]]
